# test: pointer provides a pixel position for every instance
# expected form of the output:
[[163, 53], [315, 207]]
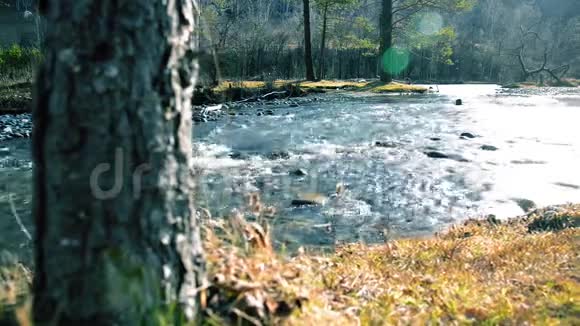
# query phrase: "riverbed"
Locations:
[[404, 165]]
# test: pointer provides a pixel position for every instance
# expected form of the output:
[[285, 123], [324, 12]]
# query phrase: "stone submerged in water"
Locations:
[[239, 156], [436, 155], [467, 135], [458, 102], [385, 144], [299, 173], [489, 148], [278, 155], [439, 155], [309, 200]]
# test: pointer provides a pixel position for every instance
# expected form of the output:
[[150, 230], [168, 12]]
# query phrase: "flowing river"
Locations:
[[401, 161]]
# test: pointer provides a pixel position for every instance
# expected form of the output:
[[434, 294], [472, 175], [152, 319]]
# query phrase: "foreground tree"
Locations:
[[117, 242], [308, 42]]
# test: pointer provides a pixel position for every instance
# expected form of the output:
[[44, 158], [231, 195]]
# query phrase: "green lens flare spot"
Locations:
[[395, 60]]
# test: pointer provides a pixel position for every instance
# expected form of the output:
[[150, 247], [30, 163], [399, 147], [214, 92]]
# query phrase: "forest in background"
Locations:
[[433, 40]]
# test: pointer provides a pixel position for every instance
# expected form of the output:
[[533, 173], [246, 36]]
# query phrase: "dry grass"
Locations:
[[480, 272], [376, 87], [398, 88], [483, 272], [334, 84]]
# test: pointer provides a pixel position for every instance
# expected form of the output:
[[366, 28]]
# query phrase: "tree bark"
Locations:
[[386, 31], [117, 241], [323, 41], [308, 42]]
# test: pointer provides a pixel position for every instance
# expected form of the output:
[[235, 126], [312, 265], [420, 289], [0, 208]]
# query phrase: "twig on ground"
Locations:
[[17, 218]]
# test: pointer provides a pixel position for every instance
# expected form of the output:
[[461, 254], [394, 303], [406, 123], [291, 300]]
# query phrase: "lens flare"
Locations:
[[395, 60], [430, 23]]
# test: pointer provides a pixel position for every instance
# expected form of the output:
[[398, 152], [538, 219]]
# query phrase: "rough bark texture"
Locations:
[[116, 237], [386, 30], [308, 42]]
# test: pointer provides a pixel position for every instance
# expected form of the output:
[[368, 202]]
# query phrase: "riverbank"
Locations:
[[524, 270], [564, 83], [16, 98], [228, 98]]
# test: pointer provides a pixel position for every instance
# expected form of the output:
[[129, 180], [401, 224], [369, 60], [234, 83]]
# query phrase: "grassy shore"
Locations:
[[486, 272], [17, 97]]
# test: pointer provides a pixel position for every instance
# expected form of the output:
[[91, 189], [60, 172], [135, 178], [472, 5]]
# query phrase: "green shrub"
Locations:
[[17, 62]]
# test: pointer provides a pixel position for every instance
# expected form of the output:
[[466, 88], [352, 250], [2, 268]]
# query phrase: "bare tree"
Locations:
[[555, 73], [308, 42], [117, 240], [386, 30]]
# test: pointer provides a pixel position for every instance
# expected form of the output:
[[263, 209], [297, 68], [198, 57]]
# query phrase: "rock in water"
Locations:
[[239, 156], [278, 155], [525, 204], [489, 148], [458, 102], [436, 155], [299, 173], [467, 135], [439, 155], [309, 200], [385, 144]]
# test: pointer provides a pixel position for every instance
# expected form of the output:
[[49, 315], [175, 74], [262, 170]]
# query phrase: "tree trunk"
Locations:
[[323, 41], [117, 241], [386, 30], [308, 42]]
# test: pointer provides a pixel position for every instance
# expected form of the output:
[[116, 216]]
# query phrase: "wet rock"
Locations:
[[15, 126], [269, 112], [458, 102], [435, 139], [299, 173], [239, 156], [439, 155], [278, 155], [560, 184], [525, 204], [489, 148], [385, 144], [309, 200], [467, 135]]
